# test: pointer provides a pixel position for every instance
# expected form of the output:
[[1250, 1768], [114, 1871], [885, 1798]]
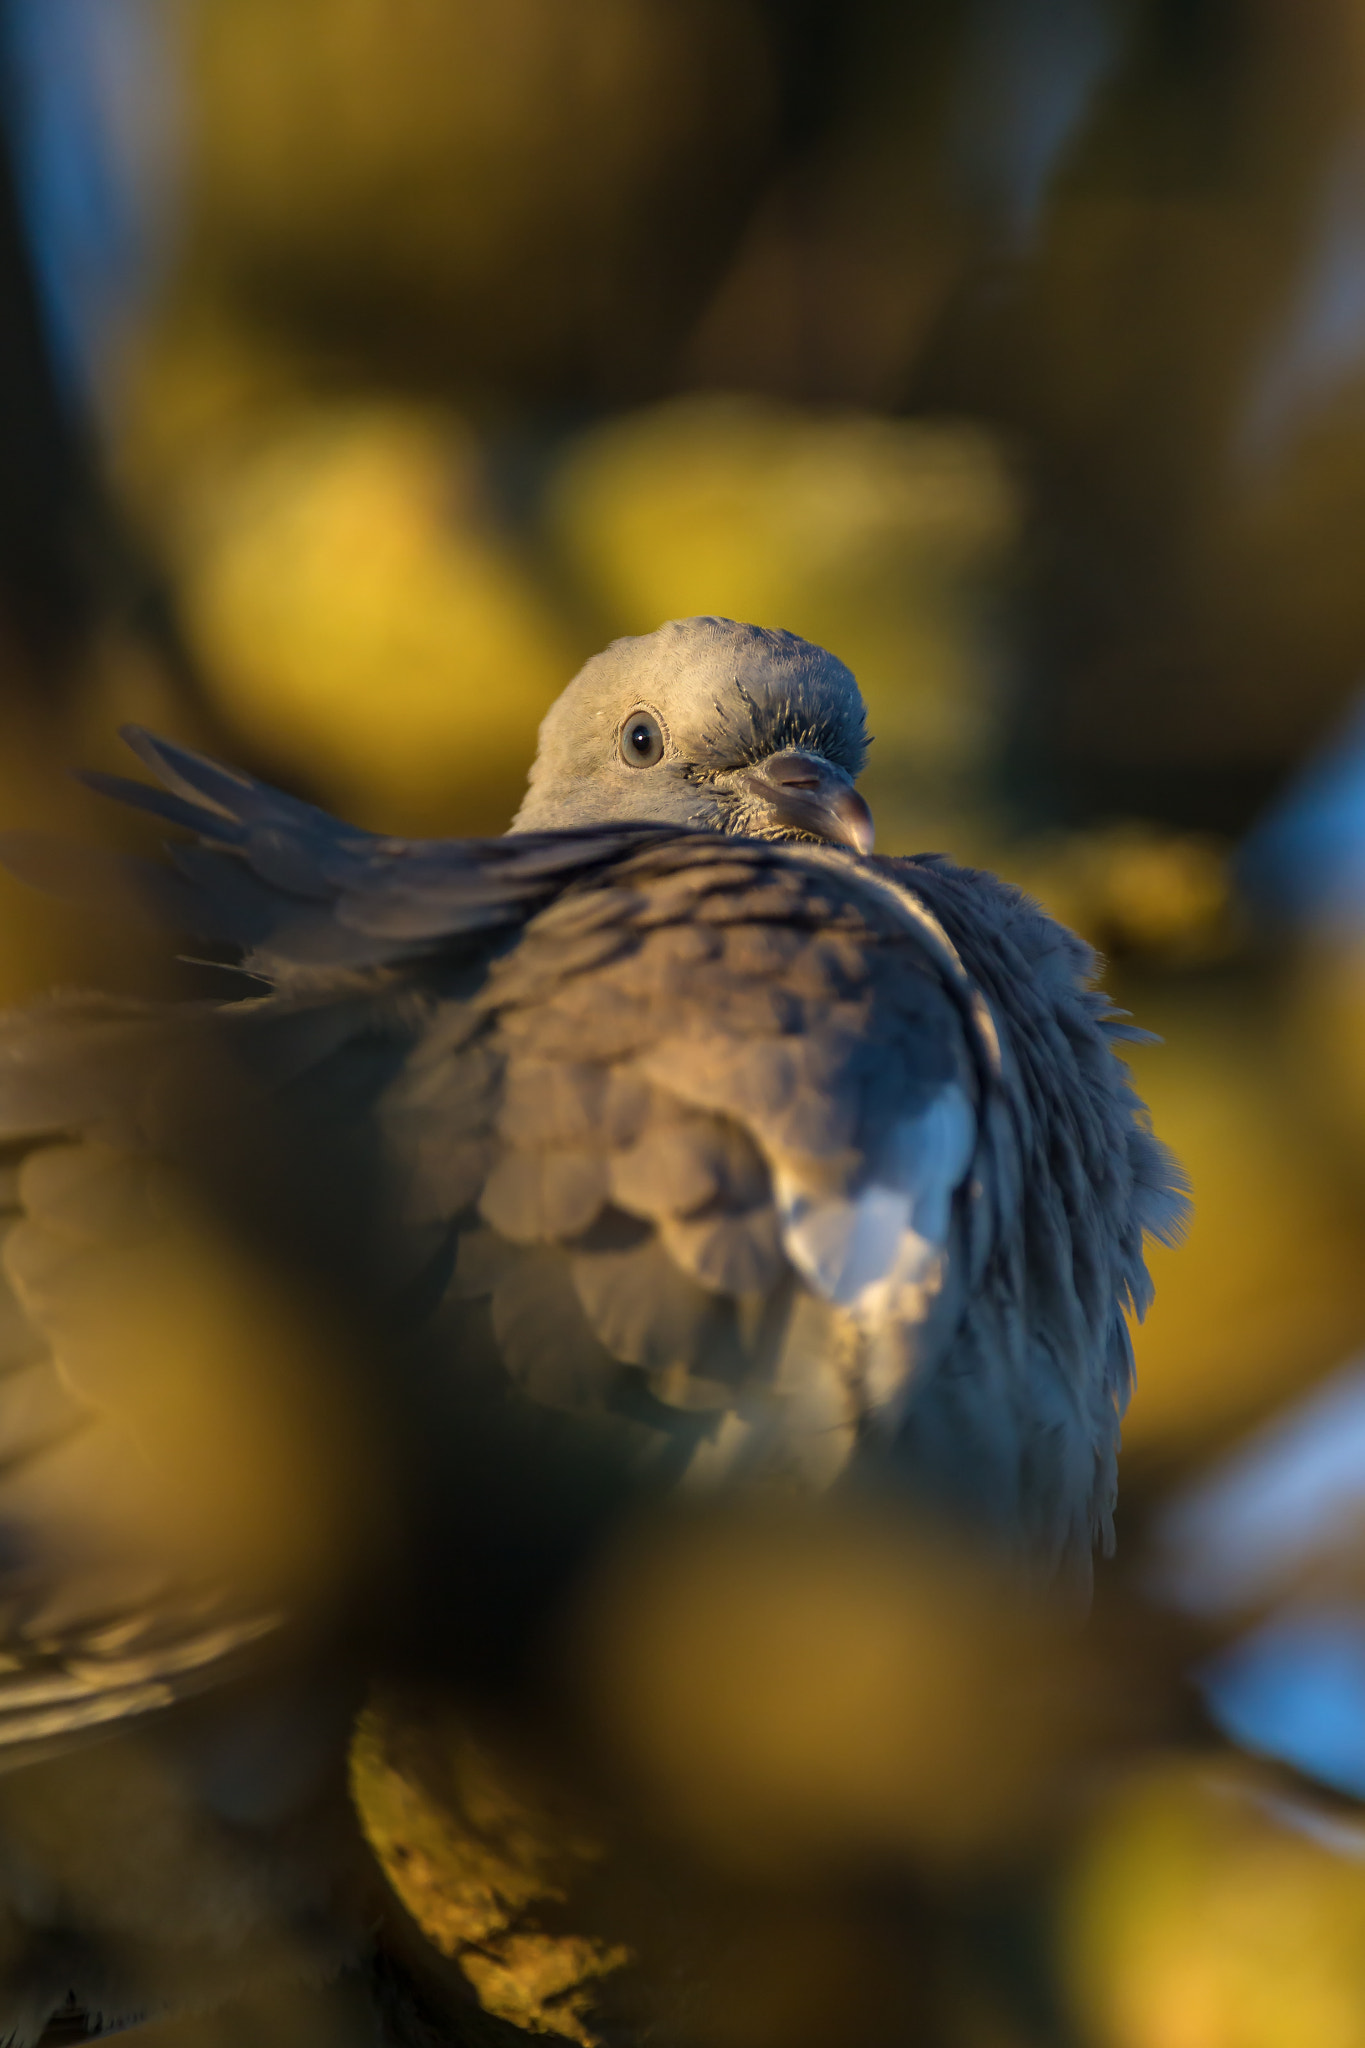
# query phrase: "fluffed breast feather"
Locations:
[[761, 1154], [760, 1161]]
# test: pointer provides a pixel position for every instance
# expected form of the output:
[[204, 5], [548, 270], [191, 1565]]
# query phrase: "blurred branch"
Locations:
[[67, 564]]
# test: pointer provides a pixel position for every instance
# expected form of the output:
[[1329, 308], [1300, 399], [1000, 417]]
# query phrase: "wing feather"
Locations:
[[770, 1148]]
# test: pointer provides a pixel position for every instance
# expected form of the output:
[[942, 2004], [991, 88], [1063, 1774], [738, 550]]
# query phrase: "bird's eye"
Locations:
[[642, 743]]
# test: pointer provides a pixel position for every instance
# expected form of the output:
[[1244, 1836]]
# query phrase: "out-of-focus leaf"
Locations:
[[226, 1450], [1134, 888], [362, 620], [795, 1692], [572, 1915], [457, 187], [1326, 1044], [476, 1858], [1268, 1291], [1210, 1910]]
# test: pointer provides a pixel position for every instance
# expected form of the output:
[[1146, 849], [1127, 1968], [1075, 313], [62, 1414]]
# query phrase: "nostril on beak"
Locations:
[[812, 797]]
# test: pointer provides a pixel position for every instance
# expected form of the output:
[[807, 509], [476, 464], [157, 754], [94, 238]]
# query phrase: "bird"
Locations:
[[673, 1140]]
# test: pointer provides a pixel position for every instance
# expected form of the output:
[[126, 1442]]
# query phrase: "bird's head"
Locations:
[[710, 725]]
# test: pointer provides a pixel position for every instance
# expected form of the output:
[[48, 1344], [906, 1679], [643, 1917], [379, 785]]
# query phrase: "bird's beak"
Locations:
[[804, 793]]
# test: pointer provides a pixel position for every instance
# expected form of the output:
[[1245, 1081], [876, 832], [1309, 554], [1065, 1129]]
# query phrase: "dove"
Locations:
[[672, 1140]]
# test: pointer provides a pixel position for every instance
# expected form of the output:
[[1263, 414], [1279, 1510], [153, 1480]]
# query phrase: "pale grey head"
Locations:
[[711, 725]]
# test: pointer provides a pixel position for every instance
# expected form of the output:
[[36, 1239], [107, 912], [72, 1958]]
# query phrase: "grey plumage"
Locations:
[[744, 1155], [730, 701]]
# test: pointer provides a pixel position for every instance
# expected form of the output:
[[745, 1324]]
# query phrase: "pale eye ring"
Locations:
[[642, 740]]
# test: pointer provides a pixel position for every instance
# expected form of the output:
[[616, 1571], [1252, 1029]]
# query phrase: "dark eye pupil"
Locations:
[[640, 737]]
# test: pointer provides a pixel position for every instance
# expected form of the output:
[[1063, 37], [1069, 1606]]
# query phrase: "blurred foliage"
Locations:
[[1268, 1291], [116, 1838], [1135, 889], [208, 1369], [363, 622], [366, 616], [1212, 1909], [536, 196], [775, 1716], [1325, 1044], [326, 2016], [932, 1724], [471, 1858]]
